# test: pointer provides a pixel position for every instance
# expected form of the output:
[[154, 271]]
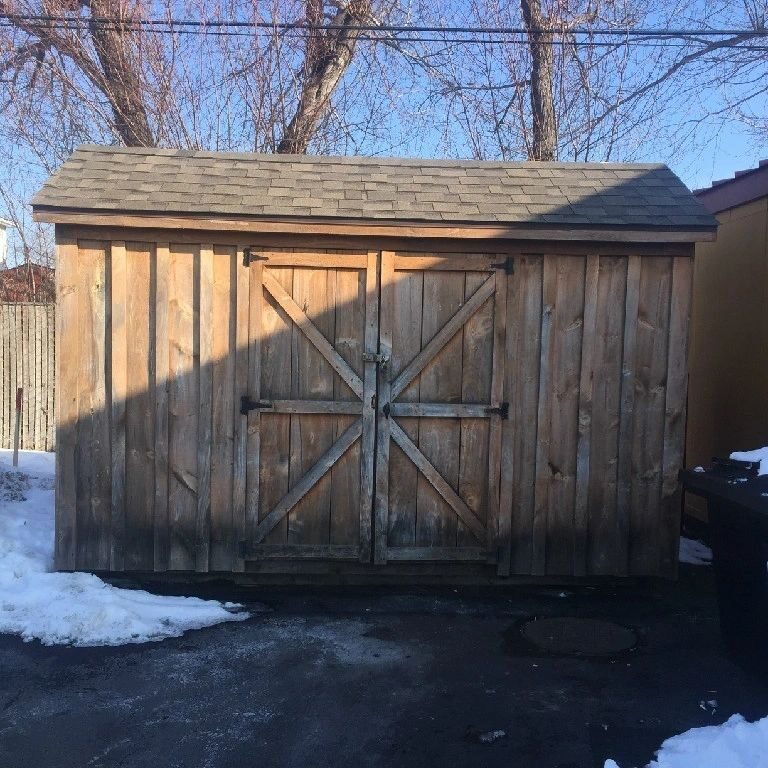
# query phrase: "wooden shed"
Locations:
[[368, 368]]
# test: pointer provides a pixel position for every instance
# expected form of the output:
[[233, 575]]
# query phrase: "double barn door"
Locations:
[[375, 408]]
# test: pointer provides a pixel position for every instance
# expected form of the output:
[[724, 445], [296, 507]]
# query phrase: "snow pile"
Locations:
[[694, 552], [74, 608], [734, 744], [761, 455]]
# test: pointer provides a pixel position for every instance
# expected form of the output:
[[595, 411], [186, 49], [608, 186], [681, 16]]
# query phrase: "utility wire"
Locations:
[[304, 26], [82, 24]]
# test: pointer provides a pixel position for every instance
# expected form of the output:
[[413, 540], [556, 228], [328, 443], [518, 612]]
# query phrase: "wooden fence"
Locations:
[[27, 356]]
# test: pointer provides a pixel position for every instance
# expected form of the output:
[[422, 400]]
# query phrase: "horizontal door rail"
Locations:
[[445, 410]]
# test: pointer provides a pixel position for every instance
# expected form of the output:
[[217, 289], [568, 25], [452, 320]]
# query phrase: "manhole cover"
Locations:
[[578, 637]]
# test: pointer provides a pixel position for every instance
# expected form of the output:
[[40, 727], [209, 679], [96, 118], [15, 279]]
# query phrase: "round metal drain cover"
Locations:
[[573, 636]]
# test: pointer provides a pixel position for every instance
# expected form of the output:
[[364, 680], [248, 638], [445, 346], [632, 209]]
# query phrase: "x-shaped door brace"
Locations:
[[342, 445], [353, 432]]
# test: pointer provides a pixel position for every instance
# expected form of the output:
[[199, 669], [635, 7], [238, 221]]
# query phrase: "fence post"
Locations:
[[17, 430]]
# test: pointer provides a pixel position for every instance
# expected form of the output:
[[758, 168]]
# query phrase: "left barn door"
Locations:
[[308, 415]]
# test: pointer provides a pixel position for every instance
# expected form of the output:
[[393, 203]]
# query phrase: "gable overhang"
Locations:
[[394, 228]]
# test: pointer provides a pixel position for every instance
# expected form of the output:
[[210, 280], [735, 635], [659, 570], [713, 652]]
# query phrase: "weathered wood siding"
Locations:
[[157, 468], [27, 355]]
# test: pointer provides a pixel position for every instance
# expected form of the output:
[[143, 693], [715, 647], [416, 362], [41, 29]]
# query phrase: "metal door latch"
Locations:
[[375, 357], [502, 409], [246, 404]]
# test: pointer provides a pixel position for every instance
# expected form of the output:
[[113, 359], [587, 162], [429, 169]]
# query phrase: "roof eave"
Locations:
[[402, 228]]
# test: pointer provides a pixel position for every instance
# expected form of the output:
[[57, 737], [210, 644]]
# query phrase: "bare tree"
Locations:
[[564, 89], [328, 55], [540, 42]]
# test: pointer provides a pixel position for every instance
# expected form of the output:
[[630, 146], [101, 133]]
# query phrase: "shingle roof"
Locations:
[[283, 186], [743, 187]]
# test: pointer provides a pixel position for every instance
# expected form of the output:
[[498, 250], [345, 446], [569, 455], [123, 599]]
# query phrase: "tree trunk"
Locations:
[[328, 55], [543, 145], [122, 79]]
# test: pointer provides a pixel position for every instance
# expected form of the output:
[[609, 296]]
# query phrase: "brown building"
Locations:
[[728, 388], [27, 283], [364, 368]]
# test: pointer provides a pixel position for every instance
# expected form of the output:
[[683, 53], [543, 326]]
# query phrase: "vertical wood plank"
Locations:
[[39, 368], [349, 341], [648, 429], [223, 409], [519, 432], [312, 435], [160, 331], [51, 441], [276, 377], [499, 524], [34, 348], [38, 375], [43, 383], [16, 340], [183, 406], [25, 366], [544, 420], [94, 487], [242, 320], [205, 406], [602, 532], [583, 449], [5, 377], [254, 419], [626, 416], [139, 411], [406, 314], [674, 413], [119, 364], [386, 322], [368, 437], [67, 348], [567, 329], [474, 483], [439, 439]]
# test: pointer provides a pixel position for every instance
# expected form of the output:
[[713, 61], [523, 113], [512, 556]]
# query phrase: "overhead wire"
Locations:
[[392, 28], [485, 36]]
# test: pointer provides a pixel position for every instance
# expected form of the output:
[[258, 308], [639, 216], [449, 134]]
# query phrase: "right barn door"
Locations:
[[440, 408]]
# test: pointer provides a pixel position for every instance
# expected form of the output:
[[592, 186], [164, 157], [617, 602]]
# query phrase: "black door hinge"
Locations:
[[508, 265], [249, 255], [502, 409], [386, 410], [246, 404]]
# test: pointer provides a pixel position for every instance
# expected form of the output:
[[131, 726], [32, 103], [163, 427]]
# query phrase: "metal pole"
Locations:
[[17, 431]]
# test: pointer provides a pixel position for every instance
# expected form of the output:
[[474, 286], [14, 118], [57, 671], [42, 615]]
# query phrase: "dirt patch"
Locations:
[[13, 485]]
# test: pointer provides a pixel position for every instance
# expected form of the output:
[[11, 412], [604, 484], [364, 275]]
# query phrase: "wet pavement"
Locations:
[[379, 677]]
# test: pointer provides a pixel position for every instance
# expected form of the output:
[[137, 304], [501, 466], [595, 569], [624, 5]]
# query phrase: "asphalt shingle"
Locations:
[[647, 196]]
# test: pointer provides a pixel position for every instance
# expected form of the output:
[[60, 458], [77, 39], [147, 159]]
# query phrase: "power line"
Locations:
[[82, 24], [393, 28]]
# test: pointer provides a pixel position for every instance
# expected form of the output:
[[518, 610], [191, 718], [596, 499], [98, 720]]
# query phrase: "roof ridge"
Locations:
[[367, 159]]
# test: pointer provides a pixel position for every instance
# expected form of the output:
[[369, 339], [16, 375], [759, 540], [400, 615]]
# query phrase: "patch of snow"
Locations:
[[734, 744], [74, 608], [491, 736], [761, 455], [694, 552]]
